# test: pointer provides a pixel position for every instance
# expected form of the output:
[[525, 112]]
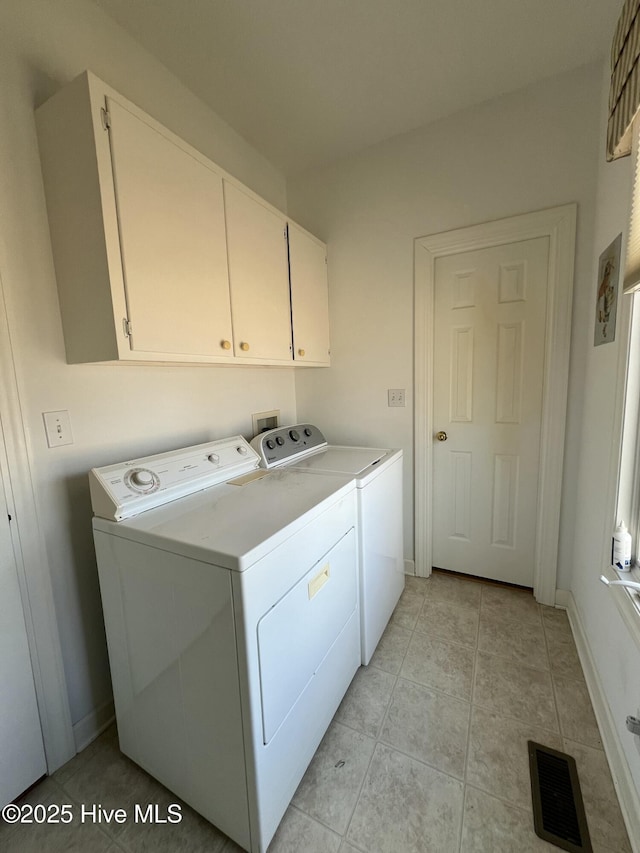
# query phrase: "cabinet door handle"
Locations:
[[244, 346], [301, 352], [225, 344]]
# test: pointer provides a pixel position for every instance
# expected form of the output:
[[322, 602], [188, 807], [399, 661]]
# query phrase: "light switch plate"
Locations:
[[57, 426], [395, 397]]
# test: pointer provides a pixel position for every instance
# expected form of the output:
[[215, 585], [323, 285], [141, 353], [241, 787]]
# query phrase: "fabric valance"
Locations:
[[624, 94]]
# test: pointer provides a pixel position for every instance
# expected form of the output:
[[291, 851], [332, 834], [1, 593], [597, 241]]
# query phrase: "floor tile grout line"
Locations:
[[462, 816], [476, 787], [376, 740], [104, 828], [553, 689], [361, 787], [315, 819], [473, 686], [438, 690], [467, 646], [513, 661], [117, 844], [515, 719], [422, 761]]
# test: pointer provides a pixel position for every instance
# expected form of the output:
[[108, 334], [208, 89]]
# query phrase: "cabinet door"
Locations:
[[172, 237], [309, 297], [259, 277]]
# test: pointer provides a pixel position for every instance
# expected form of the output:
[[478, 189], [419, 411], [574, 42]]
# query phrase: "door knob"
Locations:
[[442, 436]]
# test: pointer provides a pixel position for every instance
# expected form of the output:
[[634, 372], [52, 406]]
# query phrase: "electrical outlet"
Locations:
[[58, 428], [395, 397]]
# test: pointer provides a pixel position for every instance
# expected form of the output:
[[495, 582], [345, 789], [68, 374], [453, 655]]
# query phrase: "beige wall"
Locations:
[[519, 153], [527, 151], [116, 412], [614, 653], [538, 148]]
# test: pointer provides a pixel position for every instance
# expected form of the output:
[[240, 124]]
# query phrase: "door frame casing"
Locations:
[[559, 225], [32, 564]]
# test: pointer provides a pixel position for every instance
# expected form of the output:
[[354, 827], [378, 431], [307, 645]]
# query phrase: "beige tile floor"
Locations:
[[426, 753]]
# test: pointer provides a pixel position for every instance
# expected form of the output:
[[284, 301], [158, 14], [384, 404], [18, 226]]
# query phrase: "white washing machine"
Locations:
[[230, 598], [378, 476]]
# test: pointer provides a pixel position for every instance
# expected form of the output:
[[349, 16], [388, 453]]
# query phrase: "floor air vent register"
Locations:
[[558, 810]]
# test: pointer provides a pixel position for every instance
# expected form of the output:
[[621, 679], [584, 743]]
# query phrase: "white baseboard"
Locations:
[[88, 728], [622, 779], [409, 567]]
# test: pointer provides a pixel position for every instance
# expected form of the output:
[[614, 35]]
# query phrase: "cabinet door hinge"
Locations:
[[126, 325], [106, 118]]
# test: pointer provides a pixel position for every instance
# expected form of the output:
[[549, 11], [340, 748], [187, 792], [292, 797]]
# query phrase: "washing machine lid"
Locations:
[[358, 462], [235, 525], [342, 460]]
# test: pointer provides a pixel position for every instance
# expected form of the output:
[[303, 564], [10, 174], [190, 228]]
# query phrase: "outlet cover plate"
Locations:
[[396, 397]]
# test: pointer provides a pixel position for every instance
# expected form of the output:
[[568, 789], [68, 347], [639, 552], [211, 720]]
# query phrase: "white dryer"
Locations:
[[377, 473], [230, 598]]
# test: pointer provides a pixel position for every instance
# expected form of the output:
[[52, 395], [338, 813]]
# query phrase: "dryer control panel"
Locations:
[[128, 488], [285, 444]]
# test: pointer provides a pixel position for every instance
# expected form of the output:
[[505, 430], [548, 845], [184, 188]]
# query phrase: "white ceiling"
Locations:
[[308, 81]]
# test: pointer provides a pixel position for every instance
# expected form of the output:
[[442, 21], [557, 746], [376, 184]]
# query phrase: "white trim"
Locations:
[[409, 567], [86, 730], [563, 597], [625, 602], [559, 225], [33, 568], [613, 748]]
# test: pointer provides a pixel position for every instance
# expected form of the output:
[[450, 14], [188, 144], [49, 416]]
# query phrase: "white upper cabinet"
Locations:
[[172, 240], [160, 255], [137, 230], [259, 276], [309, 297]]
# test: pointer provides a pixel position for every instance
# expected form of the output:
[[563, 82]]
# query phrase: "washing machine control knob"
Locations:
[[307, 431], [214, 457], [242, 450], [279, 440], [294, 434], [270, 443]]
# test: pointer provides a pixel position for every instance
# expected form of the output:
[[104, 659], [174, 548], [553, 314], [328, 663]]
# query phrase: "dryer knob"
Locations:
[[242, 450], [213, 457], [295, 435], [307, 431], [143, 479]]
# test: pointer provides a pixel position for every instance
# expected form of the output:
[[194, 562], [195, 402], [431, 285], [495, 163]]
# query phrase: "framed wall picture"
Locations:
[[607, 293]]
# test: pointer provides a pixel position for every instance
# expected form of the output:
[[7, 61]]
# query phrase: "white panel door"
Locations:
[[259, 276], [309, 297], [22, 759], [489, 332], [172, 240]]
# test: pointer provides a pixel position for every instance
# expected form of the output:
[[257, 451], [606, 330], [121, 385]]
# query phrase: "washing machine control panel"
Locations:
[[285, 444], [128, 488]]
